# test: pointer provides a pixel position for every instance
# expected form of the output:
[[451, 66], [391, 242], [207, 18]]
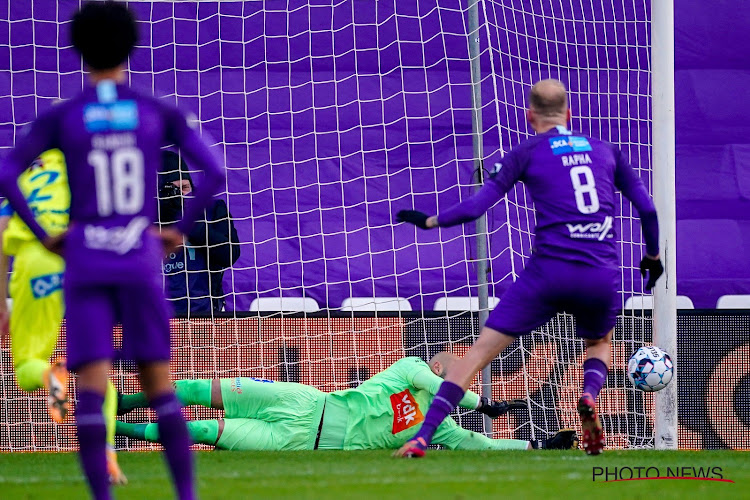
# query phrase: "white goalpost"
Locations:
[[665, 292], [332, 116]]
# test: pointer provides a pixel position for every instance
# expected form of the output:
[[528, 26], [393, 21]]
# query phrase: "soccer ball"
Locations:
[[650, 369]]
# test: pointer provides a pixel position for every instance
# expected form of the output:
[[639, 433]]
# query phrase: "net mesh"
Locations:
[[330, 117]]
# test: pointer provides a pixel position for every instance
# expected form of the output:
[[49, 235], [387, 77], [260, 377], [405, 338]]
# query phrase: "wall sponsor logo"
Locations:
[[406, 412], [641, 473], [569, 144]]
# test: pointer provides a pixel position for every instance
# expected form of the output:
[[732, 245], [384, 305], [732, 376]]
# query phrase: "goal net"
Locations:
[[330, 117]]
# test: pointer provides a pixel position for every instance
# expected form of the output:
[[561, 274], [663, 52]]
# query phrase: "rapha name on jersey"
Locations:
[[592, 230], [576, 159], [119, 239]]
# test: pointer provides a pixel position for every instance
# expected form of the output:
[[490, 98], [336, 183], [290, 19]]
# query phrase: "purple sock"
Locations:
[[173, 435], [594, 375], [445, 401], [92, 442]]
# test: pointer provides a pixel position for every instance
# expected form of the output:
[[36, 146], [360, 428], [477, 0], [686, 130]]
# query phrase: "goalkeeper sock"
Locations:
[[110, 412], [445, 401], [129, 402], [194, 392], [92, 442], [201, 431], [189, 392], [594, 375], [146, 432], [173, 435]]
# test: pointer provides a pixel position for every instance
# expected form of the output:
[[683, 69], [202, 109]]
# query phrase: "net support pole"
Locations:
[[481, 223], [663, 161]]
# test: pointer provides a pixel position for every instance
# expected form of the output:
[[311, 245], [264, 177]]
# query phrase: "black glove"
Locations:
[[170, 204], [415, 217], [654, 268], [565, 439], [494, 409]]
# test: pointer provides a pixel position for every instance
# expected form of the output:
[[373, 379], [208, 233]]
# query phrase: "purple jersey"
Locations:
[[572, 180], [112, 137]]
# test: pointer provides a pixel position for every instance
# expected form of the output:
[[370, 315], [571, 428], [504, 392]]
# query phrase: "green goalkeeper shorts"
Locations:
[[265, 415]]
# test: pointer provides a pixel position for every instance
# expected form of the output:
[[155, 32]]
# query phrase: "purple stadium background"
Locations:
[[318, 130], [713, 149]]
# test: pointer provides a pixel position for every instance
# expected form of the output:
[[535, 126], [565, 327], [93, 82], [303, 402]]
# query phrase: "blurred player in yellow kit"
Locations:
[[36, 288]]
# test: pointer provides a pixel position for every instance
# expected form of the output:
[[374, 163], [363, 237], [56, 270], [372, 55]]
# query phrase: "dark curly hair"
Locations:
[[104, 33]]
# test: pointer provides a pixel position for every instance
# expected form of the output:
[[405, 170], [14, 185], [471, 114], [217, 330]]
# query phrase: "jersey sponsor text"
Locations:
[[44, 286], [120, 240], [406, 412], [592, 230], [568, 144]]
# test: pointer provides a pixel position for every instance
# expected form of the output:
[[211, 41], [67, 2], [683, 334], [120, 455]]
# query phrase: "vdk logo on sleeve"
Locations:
[[406, 412]]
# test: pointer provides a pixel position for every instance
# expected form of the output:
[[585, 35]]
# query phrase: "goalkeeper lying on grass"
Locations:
[[381, 413]]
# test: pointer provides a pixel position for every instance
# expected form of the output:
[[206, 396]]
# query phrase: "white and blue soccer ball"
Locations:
[[650, 369]]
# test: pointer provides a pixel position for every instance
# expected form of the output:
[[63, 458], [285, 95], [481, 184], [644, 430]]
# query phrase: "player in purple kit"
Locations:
[[574, 265], [112, 138]]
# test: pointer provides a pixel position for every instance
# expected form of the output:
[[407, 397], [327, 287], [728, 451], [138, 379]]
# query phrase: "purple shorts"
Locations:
[[92, 310], [547, 286]]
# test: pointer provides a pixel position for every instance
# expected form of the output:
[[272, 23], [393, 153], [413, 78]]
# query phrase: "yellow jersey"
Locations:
[[45, 186]]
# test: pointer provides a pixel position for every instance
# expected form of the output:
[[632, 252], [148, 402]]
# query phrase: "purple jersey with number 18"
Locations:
[[112, 138]]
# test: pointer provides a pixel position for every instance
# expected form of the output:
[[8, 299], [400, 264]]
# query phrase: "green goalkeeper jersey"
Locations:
[[388, 409]]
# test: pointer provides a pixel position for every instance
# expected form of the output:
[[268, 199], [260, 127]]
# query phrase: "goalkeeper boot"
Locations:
[[593, 432], [113, 468], [414, 448], [564, 439], [56, 383]]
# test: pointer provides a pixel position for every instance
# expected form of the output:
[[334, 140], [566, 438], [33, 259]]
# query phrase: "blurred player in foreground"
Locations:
[[112, 137], [574, 266], [378, 414], [36, 288]]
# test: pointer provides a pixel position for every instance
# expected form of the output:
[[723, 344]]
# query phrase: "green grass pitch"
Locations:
[[367, 475]]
